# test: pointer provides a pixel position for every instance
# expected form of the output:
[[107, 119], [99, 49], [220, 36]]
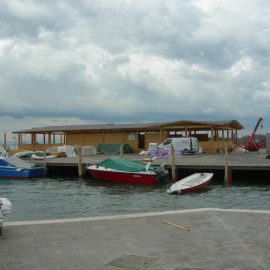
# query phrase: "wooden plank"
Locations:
[[244, 162], [176, 225]]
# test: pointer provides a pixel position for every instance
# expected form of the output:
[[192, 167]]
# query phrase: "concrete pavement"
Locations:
[[216, 239]]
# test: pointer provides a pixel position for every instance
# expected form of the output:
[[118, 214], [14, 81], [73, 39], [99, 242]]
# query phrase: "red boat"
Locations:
[[194, 182], [122, 170]]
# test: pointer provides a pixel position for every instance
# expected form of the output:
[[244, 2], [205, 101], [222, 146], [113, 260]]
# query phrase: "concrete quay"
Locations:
[[198, 239]]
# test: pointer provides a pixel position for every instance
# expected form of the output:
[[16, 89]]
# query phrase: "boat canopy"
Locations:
[[16, 162], [122, 164]]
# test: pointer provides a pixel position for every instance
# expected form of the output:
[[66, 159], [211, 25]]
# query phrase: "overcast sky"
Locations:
[[122, 61]]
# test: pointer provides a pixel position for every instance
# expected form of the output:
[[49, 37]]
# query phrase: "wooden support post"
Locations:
[[49, 139], [173, 164], [227, 171], [80, 160], [223, 144], [5, 140], [45, 162], [121, 150], [19, 140]]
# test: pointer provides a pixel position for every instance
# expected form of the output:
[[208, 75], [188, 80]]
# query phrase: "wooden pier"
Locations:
[[237, 163]]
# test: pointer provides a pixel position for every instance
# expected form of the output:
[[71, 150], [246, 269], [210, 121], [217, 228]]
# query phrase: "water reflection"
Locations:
[[120, 188]]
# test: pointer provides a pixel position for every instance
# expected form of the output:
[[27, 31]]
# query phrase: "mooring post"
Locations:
[[227, 171], [173, 164], [80, 160], [45, 162]]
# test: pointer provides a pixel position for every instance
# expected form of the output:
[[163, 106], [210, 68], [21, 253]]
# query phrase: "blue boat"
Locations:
[[16, 168]]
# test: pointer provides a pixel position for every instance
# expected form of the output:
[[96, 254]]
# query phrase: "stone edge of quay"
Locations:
[[124, 216]]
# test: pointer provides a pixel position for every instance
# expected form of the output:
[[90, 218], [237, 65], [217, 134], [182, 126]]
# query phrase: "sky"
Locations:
[[73, 62]]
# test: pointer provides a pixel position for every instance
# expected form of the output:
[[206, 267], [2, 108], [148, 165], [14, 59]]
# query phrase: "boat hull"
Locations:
[[5, 206], [21, 173], [192, 183], [124, 177], [1, 223], [196, 188]]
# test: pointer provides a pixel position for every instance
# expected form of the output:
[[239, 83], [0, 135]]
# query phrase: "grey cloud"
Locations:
[[23, 19], [128, 61]]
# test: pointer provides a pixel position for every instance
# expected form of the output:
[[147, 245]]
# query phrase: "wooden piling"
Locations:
[[227, 171], [5, 140], [45, 162], [173, 164], [80, 160]]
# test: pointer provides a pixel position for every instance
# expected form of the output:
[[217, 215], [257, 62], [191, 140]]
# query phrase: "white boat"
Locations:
[[1, 222], [5, 209], [194, 182], [5, 206]]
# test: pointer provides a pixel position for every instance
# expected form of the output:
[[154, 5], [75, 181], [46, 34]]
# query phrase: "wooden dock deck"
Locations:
[[237, 162]]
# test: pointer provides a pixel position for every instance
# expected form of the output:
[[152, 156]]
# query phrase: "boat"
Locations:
[[194, 182], [1, 221], [5, 209], [5, 206], [16, 168], [34, 155], [122, 170]]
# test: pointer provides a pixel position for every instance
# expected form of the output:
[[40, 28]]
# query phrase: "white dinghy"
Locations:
[[194, 182]]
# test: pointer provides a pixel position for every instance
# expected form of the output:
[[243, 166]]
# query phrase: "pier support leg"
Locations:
[[5, 141], [80, 161], [227, 171], [45, 162], [229, 177]]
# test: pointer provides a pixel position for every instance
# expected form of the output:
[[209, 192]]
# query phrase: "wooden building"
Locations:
[[213, 136]]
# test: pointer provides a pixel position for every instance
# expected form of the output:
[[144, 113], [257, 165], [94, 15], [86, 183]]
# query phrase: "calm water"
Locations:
[[53, 198]]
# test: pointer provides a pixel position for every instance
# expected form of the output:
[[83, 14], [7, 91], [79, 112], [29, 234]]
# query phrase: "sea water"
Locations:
[[70, 197]]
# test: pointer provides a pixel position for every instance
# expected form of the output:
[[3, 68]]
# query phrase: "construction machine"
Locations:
[[251, 144]]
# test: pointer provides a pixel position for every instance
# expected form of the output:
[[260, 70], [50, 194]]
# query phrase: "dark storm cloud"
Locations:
[[123, 61]]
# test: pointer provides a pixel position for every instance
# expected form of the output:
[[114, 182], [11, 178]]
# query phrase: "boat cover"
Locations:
[[17, 162], [122, 164]]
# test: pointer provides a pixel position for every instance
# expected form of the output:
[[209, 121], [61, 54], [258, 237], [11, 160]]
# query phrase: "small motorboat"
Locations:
[[34, 155], [16, 168], [194, 182], [121, 170], [1, 222], [5, 209]]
